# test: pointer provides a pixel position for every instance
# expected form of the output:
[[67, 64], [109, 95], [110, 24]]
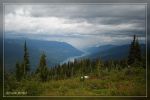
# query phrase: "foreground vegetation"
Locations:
[[124, 82]]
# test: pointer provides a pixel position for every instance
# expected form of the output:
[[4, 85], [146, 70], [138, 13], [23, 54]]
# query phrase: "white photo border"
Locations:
[[73, 4]]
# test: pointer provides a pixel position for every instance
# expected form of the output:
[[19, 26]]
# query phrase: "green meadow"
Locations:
[[124, 82]]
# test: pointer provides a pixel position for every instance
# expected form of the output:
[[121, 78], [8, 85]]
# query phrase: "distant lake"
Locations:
[[71, 59]]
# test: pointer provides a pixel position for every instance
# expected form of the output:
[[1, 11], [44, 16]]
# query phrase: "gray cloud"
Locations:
[[73, 23]]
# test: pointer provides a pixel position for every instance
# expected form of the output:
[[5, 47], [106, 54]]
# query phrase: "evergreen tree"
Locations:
[[23, 69], [42, 69], [135, 51], [98, 65], [26, 62], [138, 51]]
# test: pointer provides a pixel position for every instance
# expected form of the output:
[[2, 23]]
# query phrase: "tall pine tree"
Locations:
[[23, 69], [26, 62], [42, 70], [135, 51], [138, 51]]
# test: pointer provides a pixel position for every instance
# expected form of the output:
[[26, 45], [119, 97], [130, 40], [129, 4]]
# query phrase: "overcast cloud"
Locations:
[[79, 25]]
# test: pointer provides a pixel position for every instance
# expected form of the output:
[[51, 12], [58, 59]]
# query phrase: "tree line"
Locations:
[[79, 67]]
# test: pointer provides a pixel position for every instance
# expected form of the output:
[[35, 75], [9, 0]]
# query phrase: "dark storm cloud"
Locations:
[[89, 11], [95, 14], [103, 14]]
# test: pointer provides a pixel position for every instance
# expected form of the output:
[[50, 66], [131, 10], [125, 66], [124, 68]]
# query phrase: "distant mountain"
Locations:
[[112, 52], [56, 52], [98, 49]]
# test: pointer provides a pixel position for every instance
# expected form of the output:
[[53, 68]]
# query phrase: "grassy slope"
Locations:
[[125, 82], [128, 81]]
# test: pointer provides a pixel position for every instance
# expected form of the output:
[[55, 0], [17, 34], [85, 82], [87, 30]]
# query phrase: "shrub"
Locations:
[[33, 88]]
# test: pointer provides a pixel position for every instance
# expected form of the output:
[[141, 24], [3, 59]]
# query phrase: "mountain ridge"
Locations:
[[55, 51], [114, 52]]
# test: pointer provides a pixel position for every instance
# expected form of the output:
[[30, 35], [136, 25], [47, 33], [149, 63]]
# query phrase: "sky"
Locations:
[[81, 25]]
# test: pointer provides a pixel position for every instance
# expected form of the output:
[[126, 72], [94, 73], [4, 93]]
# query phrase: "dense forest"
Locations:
[[111, 75]]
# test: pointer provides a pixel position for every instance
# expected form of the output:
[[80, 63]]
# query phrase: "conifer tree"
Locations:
[[42, 69], [99, 67], [135, 51], [26, 62], [23, 69], [138, 51]]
